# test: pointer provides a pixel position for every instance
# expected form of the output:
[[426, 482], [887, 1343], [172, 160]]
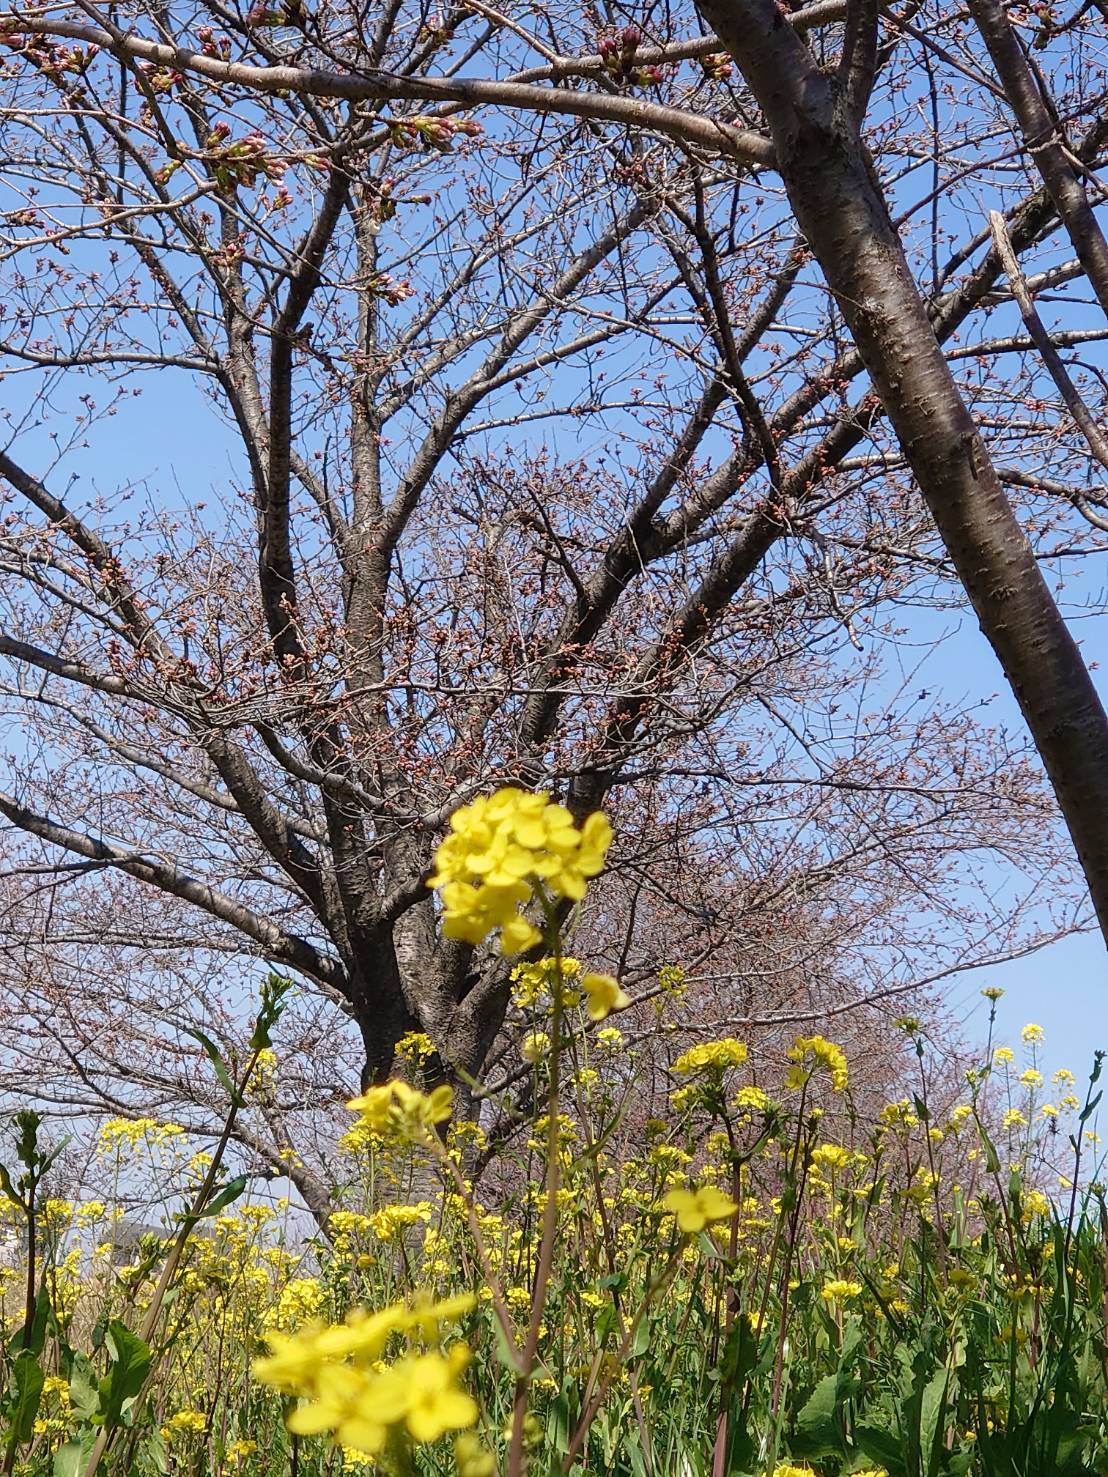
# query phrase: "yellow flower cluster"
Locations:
[[354, 1398], [415, 1047], [391, 1221], [117, 1132], [397, 1110], [831, 1156], [535, 1046], [191, 1422], [530, 981], [751, 1100], [300, 1301], [712, 1056], [840, 1291], [499, 846], [810, 1054]]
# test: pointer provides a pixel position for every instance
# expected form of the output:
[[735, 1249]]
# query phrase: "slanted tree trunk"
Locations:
[[1045, 140], [838, 203]]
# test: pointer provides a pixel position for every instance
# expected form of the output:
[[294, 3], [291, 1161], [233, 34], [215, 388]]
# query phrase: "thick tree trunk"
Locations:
[[839, 206]]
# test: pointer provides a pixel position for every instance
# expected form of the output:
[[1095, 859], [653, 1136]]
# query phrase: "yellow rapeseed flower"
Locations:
[[345, 1407], [694, 1209], [535, 1046], [603, 995], [473, 1459], [398, 1110], [192, 1422], [711, 1056]]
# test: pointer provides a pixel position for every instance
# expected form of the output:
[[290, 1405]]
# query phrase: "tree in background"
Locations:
[[550, 458]]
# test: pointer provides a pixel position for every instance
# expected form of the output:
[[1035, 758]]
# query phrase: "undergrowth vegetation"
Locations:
[[768, 1279]]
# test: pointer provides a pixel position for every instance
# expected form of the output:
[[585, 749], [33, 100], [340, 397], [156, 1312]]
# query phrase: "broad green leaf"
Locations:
[[127, 1375], [932, 1410], [70, 1459], [84, 1389], [561, 1419], [216, 1058], [27, 1381], [230, 1191]]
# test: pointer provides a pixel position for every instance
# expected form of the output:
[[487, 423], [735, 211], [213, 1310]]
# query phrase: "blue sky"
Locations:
[[1063, 987]]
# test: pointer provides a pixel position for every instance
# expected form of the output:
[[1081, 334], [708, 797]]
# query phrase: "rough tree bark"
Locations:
[[814, 120]]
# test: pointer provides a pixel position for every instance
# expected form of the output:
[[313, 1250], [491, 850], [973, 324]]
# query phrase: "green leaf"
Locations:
[[43, 1320], [816, 1426], [154, 1447], [561, 1419], [84, 1389], [216, 1058], [123, 1383], [274, 991], [504, 1349], [230, 1191], [931, 1420], [9, 1189], [740, 1352], [882, 1447], [708, 1248], [27, 1382], [70, 1459]]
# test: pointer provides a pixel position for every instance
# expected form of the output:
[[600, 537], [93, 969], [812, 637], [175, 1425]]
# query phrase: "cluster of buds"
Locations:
[[213, 45], [1044, 14], [617, 53], [431, 133], [282, 199], [261, 14], [388, 289], [436, 30], [230, 253], [27, 217], [241, 162], [717, 66], [158, 79], [50, 57]]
